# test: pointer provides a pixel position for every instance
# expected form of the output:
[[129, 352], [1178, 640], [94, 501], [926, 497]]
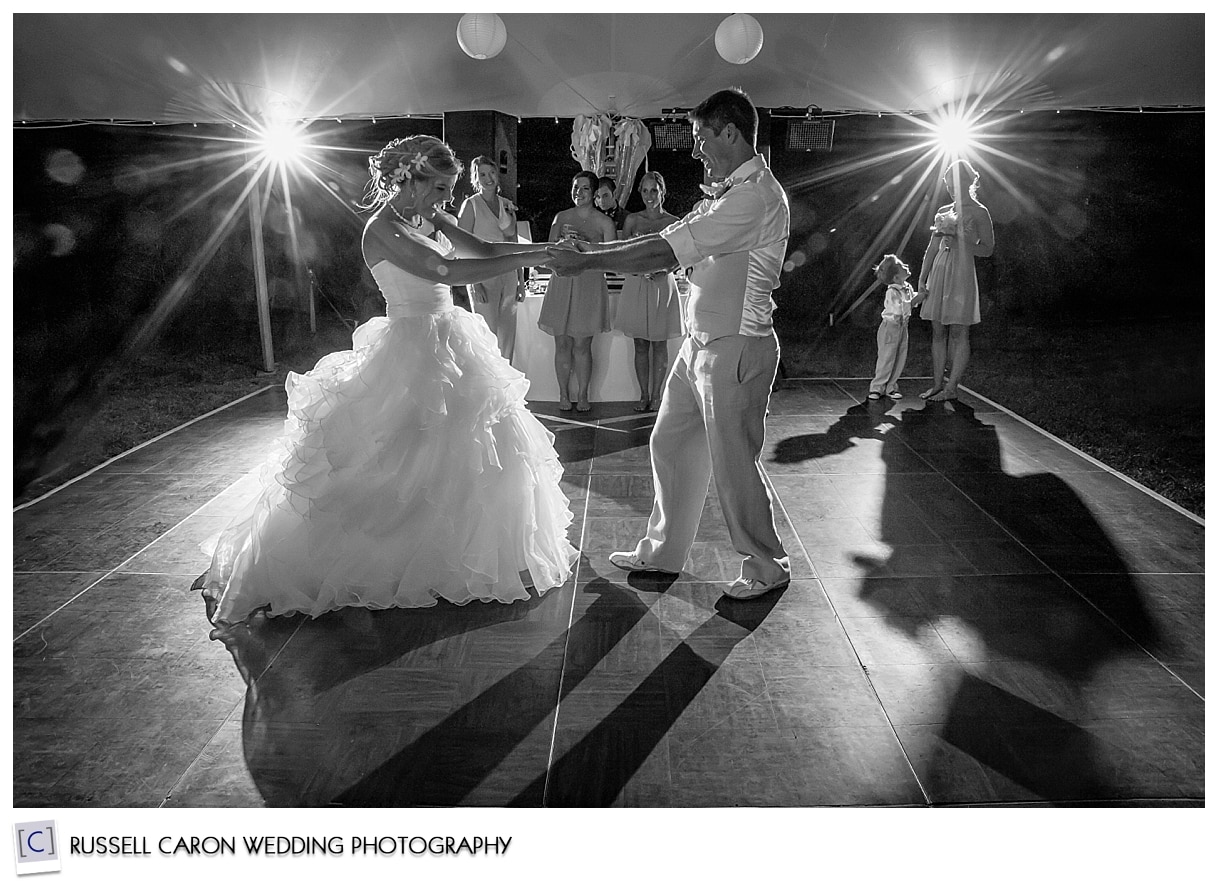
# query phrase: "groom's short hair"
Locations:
[[728, 106]]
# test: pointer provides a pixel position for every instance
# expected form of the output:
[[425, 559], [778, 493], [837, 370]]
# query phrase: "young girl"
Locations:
[[892, 338]]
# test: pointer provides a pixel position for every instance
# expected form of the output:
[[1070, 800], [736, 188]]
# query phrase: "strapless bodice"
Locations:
[[407, 295]]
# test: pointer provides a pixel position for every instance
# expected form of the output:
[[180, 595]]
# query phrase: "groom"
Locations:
[[712, 417]]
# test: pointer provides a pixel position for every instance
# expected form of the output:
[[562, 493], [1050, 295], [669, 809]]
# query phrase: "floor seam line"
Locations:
[[838, 619], [562, 675], [140, 446]]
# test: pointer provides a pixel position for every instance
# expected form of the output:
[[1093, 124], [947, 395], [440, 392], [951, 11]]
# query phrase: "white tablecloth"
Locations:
[[612, 357]]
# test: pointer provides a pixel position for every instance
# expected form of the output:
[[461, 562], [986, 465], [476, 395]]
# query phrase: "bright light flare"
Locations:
[[283, 143], [956, 136]]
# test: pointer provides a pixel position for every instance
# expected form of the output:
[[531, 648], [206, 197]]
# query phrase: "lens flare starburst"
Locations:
[[955, 136], [282, 143]]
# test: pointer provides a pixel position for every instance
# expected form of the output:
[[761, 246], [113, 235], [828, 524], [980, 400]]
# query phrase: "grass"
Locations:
[[168, 385], [1128, 393]]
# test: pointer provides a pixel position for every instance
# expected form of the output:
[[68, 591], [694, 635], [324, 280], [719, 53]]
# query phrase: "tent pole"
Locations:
[[264, 297], [312, 303]]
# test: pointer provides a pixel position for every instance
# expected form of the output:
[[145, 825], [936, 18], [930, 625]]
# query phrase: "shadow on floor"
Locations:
[[302, 748], [295, 727], [1033, 620], [594, 771]]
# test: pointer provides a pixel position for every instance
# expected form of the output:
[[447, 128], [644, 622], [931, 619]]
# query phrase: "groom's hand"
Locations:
[[565, 260]]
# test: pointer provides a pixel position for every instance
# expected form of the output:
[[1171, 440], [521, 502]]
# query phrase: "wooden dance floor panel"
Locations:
[[979, 615]]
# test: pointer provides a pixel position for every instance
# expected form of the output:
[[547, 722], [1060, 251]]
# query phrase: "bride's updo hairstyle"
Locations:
[[418, 158]]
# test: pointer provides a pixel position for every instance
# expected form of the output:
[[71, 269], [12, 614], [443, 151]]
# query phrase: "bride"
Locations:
[[409, 468]]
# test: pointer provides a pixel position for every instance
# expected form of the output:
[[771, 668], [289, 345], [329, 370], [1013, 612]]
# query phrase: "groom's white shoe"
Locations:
[[628, 560], [747, 589]]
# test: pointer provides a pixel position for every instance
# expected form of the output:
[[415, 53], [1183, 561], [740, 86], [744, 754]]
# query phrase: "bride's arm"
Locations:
[[467, 244], [384, 241]]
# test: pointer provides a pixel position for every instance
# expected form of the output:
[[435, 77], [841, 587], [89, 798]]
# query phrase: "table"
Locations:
[[612, 355]]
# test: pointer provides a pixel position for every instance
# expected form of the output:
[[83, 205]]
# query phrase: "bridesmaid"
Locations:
[[962, 230], [648, 309], [492, 218], [577, 307]]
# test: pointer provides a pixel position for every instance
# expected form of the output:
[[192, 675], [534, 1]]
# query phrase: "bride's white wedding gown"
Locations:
[[409, 469]]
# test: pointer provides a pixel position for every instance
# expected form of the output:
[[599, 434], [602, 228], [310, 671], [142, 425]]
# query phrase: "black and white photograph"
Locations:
[[784, 411]]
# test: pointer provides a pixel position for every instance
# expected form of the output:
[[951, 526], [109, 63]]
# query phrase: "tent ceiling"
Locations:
[[169, 67]]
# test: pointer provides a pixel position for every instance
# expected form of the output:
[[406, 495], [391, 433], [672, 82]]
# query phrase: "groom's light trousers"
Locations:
[[712, 422]]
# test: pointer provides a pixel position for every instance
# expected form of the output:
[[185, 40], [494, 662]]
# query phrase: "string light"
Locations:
[[828, 114]]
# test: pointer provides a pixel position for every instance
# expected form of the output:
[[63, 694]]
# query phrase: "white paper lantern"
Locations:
[[481, 35], [738, 38]]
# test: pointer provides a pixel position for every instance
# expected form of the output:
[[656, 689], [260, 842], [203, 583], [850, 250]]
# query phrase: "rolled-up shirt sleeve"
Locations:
[[728, 225]]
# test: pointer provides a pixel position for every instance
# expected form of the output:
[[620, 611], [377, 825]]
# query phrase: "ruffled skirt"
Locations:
[[409, 469]]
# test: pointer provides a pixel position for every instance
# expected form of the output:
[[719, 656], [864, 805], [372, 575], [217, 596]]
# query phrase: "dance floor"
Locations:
[[979, 615]]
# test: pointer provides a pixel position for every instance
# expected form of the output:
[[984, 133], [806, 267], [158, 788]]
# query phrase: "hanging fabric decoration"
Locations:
[[610, 148], [633, 141], [588, 137]]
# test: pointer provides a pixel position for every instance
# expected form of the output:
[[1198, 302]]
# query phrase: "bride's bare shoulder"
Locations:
[[380, 240]]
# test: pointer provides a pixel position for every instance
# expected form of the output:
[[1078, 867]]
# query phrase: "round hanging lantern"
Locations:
[[481, 35], [738, 38]]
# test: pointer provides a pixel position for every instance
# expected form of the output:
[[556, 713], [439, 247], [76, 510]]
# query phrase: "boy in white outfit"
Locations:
[[892, 338]]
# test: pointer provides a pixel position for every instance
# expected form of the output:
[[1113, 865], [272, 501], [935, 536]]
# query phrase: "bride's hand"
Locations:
[[564, 260], [438, 216]]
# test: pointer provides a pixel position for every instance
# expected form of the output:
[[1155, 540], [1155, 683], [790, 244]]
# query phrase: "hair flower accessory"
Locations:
[[406, 170]]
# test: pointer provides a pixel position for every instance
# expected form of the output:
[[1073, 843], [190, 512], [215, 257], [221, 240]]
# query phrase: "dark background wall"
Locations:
[[1103, 216]]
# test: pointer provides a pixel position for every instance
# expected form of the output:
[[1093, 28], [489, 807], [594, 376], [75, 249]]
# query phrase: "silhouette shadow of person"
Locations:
[[1016, 650], [1029, 644], [859, 421]]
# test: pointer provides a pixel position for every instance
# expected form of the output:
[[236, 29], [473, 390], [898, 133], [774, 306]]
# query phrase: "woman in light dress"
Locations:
[[409, 468], [962, 230], [491, 217], [576, 308], [648, 309]]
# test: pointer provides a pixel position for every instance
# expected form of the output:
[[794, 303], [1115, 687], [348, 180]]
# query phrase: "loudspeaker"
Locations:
[[672, 134], [810, 134], [676, 134], [472, 133], [763, 131]]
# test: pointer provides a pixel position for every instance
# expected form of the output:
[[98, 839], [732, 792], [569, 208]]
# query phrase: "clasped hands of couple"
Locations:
[[559, 252], [562, 260]]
